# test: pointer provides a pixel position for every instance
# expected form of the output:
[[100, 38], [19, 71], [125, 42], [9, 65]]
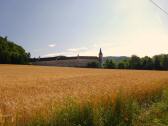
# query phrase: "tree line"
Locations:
[[157, 62], [11, 53]]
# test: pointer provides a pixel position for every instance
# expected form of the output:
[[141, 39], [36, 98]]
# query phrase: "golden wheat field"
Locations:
[[25, 89]]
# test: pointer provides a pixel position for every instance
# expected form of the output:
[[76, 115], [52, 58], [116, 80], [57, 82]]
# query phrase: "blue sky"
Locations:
[[72, 27]]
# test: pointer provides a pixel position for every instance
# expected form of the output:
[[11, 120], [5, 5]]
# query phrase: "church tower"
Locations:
[[101, 58]]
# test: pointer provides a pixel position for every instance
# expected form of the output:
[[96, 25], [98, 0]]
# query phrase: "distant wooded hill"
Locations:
[[116, 59], [11, 53]]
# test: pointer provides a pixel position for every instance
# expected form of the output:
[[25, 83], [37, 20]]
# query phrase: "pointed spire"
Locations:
[[100, 53], [100, 58]]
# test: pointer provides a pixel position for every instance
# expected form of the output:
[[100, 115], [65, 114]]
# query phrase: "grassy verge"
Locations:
[[119, 112], [156, 114], [150, 110]]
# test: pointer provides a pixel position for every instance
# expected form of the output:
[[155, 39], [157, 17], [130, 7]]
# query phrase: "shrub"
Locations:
[[93, 65]]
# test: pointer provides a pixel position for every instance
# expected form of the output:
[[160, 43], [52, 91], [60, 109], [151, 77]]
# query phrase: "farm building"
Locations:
[[77, 61]]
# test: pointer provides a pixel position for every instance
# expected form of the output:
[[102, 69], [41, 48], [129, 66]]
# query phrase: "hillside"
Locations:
[[116, 59]]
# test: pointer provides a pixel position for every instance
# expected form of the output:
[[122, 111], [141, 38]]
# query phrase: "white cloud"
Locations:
[[52, 45]]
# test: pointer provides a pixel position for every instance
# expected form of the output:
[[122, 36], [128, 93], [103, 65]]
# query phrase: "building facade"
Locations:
[[63, 61]]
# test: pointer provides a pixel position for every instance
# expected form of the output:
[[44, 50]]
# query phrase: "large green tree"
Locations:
[[164, 62], [12, 53], [135, 62], [157, 62], [147, 63]]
